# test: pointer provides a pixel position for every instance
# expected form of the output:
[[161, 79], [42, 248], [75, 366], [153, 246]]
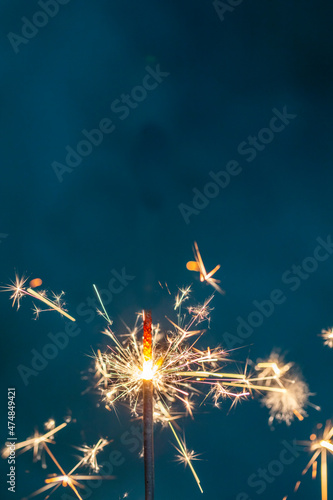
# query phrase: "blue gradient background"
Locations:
[[119, 208]]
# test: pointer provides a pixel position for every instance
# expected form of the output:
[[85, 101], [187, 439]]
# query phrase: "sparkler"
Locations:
[[319, 446], [155, 373], [160, 370], [148, 406], [18, 291]]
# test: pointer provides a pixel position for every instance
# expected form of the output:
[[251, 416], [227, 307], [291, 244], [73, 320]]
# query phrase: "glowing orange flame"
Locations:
[[147, 336]]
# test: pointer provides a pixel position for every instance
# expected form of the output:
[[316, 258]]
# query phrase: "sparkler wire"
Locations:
[[148, 411]]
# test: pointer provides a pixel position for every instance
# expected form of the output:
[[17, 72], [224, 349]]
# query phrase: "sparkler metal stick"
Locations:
[[148, 408]]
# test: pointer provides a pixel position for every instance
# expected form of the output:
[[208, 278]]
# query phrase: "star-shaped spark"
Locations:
[[90, 454], [201, 312], [185, 456], [16, 288]]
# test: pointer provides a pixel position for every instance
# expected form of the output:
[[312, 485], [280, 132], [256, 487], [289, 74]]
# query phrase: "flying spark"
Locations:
[[319, 446], [286, 404], [327, 335], [18, 290], [199, 267], [37, 442], [70, 479], [90, 454]]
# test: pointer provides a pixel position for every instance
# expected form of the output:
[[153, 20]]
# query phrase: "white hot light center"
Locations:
[[148, 370]]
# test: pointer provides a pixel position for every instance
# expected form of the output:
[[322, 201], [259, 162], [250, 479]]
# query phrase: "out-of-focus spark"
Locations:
[[319, 446], [199, 267], [37, 442], [283, 405], [327, 335]]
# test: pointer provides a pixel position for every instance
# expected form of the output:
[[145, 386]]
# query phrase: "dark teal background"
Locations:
[[120, 208]]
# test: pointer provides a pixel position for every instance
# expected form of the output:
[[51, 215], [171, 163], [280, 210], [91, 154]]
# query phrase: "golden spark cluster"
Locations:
[[38, 443], [182, 374]]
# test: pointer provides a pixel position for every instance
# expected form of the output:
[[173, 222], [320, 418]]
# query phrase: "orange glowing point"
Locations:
[[193, 266], [298, 415], [35, 283], [147, 336], [159, 363]]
